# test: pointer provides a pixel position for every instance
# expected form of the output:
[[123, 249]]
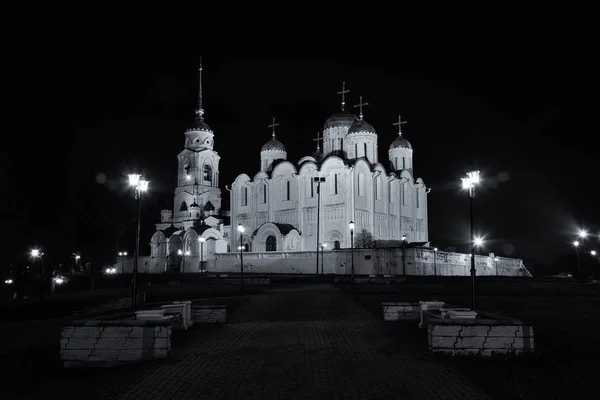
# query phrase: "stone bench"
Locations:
[[400, 311], [429, 310], [187, 314], [107, 343], [482, 336], [209, 314], [180, 314]]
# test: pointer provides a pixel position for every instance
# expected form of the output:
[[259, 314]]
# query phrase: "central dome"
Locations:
[[341, 119], [361, 126], [273, 145]]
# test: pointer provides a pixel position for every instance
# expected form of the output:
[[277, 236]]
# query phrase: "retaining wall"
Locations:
[[114, 342]]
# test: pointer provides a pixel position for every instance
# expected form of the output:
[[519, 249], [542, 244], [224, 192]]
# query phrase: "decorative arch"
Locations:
[[286, 237], [158, 244], [333, 236], [184, 206], [283, 169]]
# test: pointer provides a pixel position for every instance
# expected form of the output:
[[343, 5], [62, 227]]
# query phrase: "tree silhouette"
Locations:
[[363, 240]]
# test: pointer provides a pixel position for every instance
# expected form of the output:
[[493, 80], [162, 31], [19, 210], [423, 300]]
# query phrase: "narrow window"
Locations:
[[288, 190], [418, 199], [312, 188], [335, 184], [365, 150], [355, 150], [342, 144], [264, 193]]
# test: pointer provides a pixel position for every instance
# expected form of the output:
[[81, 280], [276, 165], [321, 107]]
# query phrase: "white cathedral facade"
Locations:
[[278, 206]]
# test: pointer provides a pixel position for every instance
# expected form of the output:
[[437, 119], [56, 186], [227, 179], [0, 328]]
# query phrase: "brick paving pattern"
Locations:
[[309, 343]]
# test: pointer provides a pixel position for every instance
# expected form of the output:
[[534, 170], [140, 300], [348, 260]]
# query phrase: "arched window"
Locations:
[[336, 245], [207, 173], [183, 206], [361, 184], [245, 196], [271, 243], [378, 188], [365, 146]]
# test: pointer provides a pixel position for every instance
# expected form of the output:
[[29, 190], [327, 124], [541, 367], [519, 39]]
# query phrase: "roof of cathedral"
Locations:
[[342, 118], [283, 228], [361, 126], [194, 205], [201, 228], [273, 145], [199, 125], [317, 155], [400, 142], [169, 231]]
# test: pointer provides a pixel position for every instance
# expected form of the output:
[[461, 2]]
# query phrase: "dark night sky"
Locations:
[[521, 104]]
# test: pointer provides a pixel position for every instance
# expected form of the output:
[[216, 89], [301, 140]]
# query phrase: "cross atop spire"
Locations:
[[273, 125], [318, 139], [399, 124], [343, 93], [200, 108], [360, 106]]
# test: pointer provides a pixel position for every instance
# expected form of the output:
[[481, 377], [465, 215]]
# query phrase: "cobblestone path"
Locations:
[[298, 343]]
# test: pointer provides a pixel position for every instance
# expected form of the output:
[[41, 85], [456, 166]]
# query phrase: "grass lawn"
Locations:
[[566, 323]]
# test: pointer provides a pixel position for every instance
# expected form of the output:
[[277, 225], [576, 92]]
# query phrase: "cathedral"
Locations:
[[290, 206]]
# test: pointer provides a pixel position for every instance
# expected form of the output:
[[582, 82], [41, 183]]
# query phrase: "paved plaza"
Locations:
[[296, 343]]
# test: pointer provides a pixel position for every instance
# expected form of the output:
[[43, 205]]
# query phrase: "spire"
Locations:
[[399, 124], [273, 125], [360, 106], [343, 92], [200, 108]]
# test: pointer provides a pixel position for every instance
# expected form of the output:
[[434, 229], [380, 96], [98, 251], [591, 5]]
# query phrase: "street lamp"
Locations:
[[323, 246], [77, 257], [140, 185], [435, 249], [576, 245], [351, 226], [121, 255], [201, 240], [241, 231], [36, 253], [183, 254], [469, 183], [318, 181], [496, 259], [403, 254], [595, 270]]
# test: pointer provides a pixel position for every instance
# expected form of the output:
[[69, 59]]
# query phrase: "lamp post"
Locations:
[[318, 181], [404, 255], [202, 240], [594, 259], [241, 231], [496, 259], [35, 254], [76, 257], [576, 245], [140, 185], [121, 255], [435, 261], [183, 253], [469, 183], [351, 226], [323, 246]]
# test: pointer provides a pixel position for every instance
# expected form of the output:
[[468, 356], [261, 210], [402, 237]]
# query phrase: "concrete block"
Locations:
[[474, 330], [445, 330], [473, 342], [68, 354], [64, 342], [525, 331], [81, 343], [110, 343], [67, 331], [117, 331], [443, 341], [162, 343], [504, 330], [455, 313], [498, 342], [87, 331], [131, 355]]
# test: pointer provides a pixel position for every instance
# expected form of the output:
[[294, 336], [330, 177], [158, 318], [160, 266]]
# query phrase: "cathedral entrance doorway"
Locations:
[[271, 243]]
